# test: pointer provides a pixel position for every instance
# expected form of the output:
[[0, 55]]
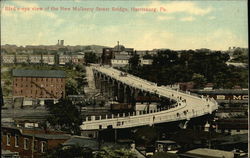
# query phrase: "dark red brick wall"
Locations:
[[50, 144], [51, 87]]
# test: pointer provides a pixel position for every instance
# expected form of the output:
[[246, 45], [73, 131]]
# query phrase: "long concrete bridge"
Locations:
[[126, 88]]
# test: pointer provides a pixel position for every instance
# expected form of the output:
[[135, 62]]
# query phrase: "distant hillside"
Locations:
[[45, 48], [97, 48]]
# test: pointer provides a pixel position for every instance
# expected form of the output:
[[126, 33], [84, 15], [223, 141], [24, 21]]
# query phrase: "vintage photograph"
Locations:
[[124, 79]]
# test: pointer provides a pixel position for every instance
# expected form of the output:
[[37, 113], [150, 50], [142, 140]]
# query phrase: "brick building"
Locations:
[[47, 84], [116, 56], [27, 142]]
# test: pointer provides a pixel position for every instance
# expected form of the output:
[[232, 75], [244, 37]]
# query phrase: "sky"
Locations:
[[177, 25]]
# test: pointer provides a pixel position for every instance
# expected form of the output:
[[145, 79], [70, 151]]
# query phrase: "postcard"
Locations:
[[122, 78]]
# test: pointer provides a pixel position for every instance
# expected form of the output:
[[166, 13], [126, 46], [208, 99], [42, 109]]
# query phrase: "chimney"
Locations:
[[118, 46]]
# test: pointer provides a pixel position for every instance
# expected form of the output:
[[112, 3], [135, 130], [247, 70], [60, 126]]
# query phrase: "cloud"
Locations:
[[26, 4], [77, 1], [189, 18], [211, 17], [181, 7], [162, 18], [219, 39], [152, 39], [25, 10]]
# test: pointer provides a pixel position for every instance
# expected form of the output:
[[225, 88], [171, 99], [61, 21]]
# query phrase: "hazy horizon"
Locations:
[[214, 25]]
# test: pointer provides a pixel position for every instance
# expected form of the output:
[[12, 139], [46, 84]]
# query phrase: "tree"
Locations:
[[64, 116], [90, 57], [108, 152], [199, 80], [71, 87], [134, 61], [69, 152], [146, 135]]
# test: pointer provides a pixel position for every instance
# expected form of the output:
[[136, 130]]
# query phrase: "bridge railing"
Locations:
[[136, 113], [146, 119]]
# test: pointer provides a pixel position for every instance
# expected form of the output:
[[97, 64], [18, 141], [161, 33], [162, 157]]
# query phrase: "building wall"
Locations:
[[22, 58], [46, 59], [26, 153], [38, 87], [119, 63], [107, 55], [35, 59], [49, 59], [63, 59], [8, 59], [146, 61]]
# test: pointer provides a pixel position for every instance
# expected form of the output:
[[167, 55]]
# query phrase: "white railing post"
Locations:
[[92, 118]]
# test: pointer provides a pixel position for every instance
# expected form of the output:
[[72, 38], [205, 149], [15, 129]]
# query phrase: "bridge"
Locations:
[[125, 87]]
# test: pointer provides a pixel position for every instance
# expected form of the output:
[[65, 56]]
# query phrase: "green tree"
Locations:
[[146, 135], [90, 57], [108, 152], [69, 152], [71, 87], [199, 80], [64, 116], [134, 61]]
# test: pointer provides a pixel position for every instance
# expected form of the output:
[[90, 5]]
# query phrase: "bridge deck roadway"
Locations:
[[188, 106]]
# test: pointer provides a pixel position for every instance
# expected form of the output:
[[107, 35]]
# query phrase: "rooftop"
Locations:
[[48, 136], [39, 73], [166, 142], [122, 57], [222, 91], [208, 153], [82, 141]]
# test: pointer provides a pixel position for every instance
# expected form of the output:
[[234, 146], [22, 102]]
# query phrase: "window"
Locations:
[[25, 143], [43, 147], [35, 145], [8, 136], [16, 140]]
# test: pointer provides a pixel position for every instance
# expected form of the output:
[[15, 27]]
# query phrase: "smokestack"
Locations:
[[62, 42], [118, 46]]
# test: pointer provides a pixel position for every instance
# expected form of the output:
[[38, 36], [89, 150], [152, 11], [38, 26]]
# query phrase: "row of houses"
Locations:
[[45, 59], [21, 142]]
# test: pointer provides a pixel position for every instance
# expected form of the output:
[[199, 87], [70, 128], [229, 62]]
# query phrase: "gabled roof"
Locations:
[[83, 142], [48, 136], [39, 73], [122, 57], [208, 153]]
